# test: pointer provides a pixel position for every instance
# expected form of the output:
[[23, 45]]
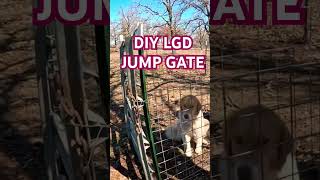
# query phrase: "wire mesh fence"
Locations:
[[277, 80], [165, 91]]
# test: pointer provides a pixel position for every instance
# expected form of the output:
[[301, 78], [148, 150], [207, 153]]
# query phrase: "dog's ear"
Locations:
[[285, 146]]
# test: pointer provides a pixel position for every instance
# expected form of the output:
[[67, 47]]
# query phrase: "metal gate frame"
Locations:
[[136, 111], [67, 121]]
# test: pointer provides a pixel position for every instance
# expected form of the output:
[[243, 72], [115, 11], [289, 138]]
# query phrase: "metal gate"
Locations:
[[74, 135], [136, 109]]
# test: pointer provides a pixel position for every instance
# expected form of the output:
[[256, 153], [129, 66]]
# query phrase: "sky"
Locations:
[[116, 5]]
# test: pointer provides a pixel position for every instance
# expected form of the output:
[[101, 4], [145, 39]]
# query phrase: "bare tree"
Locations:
[[201, 38], [170, 14], [114, 33], [129, 19], [201, 15]]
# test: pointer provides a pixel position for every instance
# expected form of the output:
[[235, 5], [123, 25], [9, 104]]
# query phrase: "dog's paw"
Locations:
[[189, 153], [198, 150], [205, 142]]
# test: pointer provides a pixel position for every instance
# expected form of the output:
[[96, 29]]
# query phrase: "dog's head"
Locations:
[[258, 141], [189, 107]]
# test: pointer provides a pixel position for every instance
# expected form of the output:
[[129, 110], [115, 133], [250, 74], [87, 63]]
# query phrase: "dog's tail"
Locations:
[[172, 132]]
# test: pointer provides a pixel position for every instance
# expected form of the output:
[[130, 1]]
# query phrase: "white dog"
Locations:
[[258, 144], [190, 124]]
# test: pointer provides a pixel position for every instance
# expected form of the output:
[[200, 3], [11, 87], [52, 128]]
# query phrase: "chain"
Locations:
[[138, 104], [77, 123]]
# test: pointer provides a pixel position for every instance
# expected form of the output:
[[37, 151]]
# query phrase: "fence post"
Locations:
[[307, 24]]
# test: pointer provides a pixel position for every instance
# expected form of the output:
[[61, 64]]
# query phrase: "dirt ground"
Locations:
[[20, 142], [20, 128]]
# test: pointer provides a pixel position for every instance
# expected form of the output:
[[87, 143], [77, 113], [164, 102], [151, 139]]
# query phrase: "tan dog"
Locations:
[[258, 130], [190, 125]]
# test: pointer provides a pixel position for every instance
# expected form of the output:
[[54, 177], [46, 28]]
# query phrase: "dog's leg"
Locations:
[[199, 141], [287, 169], [187, 145]]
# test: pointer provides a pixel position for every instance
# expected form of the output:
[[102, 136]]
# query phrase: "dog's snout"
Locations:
[[244, 173]]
